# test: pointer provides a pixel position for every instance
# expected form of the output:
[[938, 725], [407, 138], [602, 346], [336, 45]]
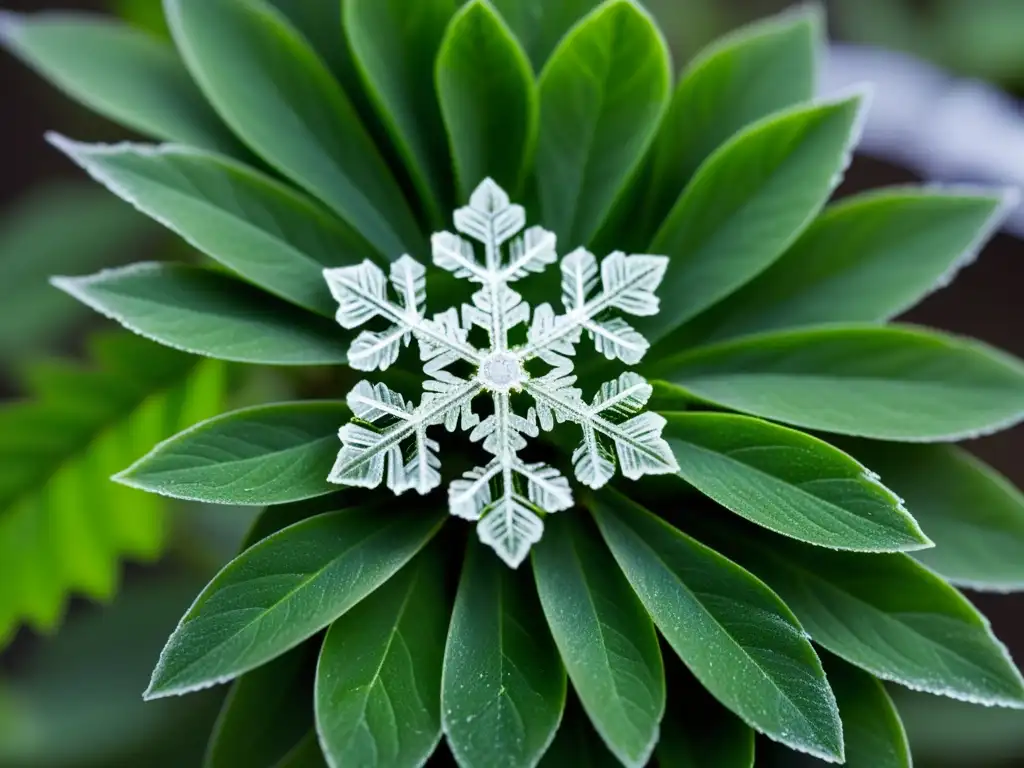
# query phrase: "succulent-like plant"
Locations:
[[315, 147]]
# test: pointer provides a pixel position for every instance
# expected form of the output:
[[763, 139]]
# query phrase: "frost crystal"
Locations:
[[508, 496]]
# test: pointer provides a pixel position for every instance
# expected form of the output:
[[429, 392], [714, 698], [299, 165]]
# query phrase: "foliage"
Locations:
[[782, 387]]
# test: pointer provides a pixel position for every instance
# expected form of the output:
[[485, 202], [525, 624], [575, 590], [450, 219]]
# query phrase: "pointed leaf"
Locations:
[[790, 483], [748, 202], [736, 636], [604, 635], [540, 24], [269, 454], [247, 221], [488, 99], [594, 130], [378, 683], [122, 73], [577, 743], [273, 90], [285, 589], [208, 313], [503, 687]]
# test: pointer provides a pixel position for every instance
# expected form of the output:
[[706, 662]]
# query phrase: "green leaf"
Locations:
[[63, 526], [273, 90], [866, 258], [577, 744], [602, 94], [307, 754], [267, 713], [285, 589], [871, 726], [540, 24], [748, 202], [120, 72], [277, 517], [249, 222], [488, 99], [208, 313], [894, 383], [268, 454], [378, 683], [605, 637], [503, 687], [733, 633], [790, 483], [974, 514], [887, 615], [395, 44]]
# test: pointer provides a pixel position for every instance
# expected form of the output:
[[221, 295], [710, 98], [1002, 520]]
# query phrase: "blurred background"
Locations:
[[948, 77]]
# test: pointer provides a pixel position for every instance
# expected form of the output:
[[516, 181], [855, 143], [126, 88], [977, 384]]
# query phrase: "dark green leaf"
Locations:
[[122, 73], [866, 258], [273, 90], [577, 744], [736, 636], [321, 24], [895, 383], [306, 754], [250, 223], [540, 24], [488, 99], [208, 313], [790, 483], [503, 688], [605, 636], [395, 44], [277, 517], [602, 94], [285, 589], [748, 202], [268, 454], [378, 683], [974, 514]]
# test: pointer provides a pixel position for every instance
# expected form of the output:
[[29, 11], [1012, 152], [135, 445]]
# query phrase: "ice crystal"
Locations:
[[387, 438]]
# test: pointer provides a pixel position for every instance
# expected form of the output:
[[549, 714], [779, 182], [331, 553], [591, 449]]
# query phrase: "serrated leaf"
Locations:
[[268, 454], [540, 25], [503, 687], [605, 637], [285, 589], [378, 682], [488, 98], [748, 202], [736, 636], [122, 73], [277, 95], [893, 383], [790, 483], [249, 222], [866, 258], [208, 313], [595, 130]]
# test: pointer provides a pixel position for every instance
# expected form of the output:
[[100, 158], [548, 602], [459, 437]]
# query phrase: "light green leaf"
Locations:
[[605, 637], [208, 313], [748, 202], [790, 483], [275, 93], [249, 222], [503, 687], [602, 94], [267, 713], [540, 24], [871, 726], [395, 44], [974, 514], [122, 73], [285, 589], [736, 636], [893, 383], [378, 683], [488, 99], [866, 258], [886, 614], [268, 454]]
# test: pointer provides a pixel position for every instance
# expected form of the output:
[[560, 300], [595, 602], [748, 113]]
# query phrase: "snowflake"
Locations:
[[508, 496]]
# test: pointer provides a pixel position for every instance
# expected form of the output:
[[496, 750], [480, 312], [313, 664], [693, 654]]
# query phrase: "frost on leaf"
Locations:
[[387, 440]]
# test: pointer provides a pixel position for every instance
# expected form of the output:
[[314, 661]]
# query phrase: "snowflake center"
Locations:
[[501, 371]]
